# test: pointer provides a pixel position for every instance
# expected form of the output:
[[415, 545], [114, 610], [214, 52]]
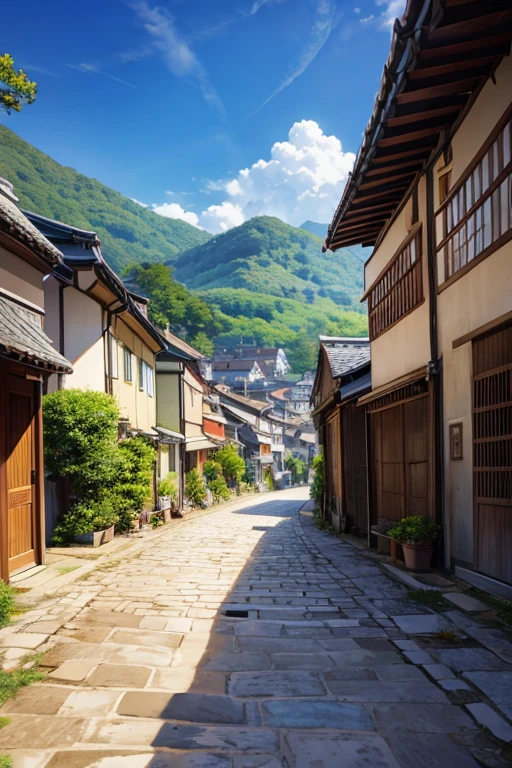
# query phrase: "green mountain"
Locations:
[[320, 230], [266, 256], [128, 232]]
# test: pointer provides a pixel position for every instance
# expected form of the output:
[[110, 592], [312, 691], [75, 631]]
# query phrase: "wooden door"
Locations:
[[401, 444], [355, 471], [21, 473], [492, 455]]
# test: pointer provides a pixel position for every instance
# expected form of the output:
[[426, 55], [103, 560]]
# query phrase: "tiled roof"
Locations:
[[21, 335], [346, 356], [16, 224]]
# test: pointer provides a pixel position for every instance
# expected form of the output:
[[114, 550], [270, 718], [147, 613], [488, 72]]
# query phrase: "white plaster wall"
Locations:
[[83, 341], [21, 278], [135, 405]]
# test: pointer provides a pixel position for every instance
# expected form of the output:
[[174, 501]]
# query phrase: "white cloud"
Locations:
[[257, 4], [175, 211], [134, 200], [327, 19], [393, 9], [176, 53], [220, 218], [357, 10], [92, 69], [303, 179]]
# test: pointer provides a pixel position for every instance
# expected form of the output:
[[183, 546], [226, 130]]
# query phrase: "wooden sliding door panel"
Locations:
[[492, 454]]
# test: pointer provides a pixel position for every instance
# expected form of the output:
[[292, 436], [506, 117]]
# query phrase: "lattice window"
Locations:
[[492, 433], [478, 212], [399, 290]]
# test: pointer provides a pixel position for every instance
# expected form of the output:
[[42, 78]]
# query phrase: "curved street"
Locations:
[[245, 638]]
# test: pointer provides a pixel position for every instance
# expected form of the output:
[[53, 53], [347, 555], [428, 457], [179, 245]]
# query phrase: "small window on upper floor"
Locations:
[[128, 375], [114, 359]]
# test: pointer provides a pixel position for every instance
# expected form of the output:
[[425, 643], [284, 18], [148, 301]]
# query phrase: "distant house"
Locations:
[[294, 400], [237, 372], [27, 359], [343, 375], [271, 360]]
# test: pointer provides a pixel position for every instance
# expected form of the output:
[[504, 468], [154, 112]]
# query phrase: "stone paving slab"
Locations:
[[315, 714], [193, 707], [422, 718], [148, 671], [339, 751], [497, 686]]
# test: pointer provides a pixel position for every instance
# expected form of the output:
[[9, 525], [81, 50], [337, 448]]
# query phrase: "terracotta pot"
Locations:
[[96, 538], [417, 556]]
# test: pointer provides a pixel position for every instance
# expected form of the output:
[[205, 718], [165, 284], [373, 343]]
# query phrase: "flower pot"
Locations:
[[417, 556], [164, 502], [167, 513], [96, 538]]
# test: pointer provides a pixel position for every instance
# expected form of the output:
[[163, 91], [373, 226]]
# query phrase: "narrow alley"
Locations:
[[248, 638]]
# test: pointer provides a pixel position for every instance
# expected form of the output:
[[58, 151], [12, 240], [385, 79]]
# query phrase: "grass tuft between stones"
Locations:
[[11, 682], [430, 598], [6, 761]]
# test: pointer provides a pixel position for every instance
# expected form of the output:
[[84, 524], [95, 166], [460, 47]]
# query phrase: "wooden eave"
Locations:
[[418, 105]]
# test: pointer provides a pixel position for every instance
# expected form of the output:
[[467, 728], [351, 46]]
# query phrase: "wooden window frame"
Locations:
[[128, 367], [484, 193], [389, 288]]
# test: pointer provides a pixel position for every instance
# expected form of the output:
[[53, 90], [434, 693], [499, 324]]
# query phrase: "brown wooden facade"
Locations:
[[343, 375]]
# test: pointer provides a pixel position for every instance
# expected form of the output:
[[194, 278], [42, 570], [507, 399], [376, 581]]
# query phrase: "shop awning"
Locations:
[[168, 436], [22, 338], [199, 444]]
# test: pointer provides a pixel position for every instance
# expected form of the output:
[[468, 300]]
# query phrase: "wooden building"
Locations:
[[343, 375], [27, 358], [431, 192]]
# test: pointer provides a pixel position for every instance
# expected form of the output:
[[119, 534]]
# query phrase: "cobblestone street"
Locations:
[[247, 638]]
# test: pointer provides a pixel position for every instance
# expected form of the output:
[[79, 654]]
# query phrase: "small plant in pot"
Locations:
[[416, 534]]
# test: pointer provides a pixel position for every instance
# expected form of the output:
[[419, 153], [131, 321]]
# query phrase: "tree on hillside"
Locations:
[[15, 87], [302, 354], [202, 343], [171, 304]]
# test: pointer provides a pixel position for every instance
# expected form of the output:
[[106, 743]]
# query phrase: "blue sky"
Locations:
[[169, 103]]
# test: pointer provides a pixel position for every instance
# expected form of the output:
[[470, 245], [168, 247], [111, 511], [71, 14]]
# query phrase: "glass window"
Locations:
[[127, 364], [141, 375]]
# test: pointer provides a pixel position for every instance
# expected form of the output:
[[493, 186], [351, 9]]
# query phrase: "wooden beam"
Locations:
[[414, 164], [419, 117], [436, 91], [404, 138], [363, 209], [364, 224], [386, 180], [354, 238], [453, 66], [460, 28], [392, 156], [448, 51]]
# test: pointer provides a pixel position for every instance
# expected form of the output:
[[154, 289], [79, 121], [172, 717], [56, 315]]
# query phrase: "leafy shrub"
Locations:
[[83, 517], [212, 470], [219, 489], [109, 482], [415, 529], [233, 466], [7, 603], [80, 439], [132, 487], [297, 467], [318, 484], [195, 488]]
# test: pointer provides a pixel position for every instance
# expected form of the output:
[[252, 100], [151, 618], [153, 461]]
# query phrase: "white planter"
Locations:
[[164, 502]]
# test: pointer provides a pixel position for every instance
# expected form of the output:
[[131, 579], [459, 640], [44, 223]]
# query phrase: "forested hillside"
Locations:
[[128, 232], [267, 256]]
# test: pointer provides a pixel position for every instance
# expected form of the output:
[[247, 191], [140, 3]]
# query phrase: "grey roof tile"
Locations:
[[21, 335], [346, 356]]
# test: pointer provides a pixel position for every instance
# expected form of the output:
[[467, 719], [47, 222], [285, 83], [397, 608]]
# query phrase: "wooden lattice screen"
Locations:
[[492, 454]]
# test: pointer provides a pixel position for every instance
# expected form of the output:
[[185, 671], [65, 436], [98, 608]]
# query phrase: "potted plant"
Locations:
[[165, 489], [416, 534]]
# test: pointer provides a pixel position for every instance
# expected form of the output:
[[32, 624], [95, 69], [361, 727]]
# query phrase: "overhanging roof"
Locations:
[[442, 53], [22, 338]]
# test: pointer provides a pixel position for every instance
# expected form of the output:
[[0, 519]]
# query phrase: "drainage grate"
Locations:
[[237, 614]]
